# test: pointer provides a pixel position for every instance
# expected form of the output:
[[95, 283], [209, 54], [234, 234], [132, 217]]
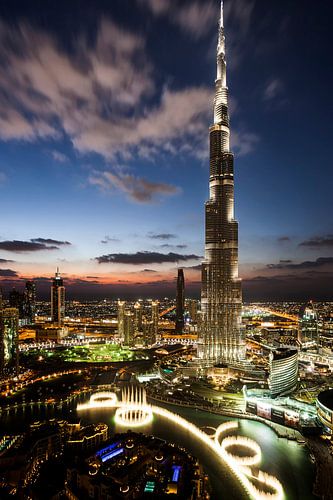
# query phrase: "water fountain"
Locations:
[[134, 411]]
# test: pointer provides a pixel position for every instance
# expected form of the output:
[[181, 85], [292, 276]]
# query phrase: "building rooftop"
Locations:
[[326, 398]]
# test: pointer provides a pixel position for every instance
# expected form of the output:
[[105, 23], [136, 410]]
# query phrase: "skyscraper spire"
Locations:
[[221, 15], [221, 296]]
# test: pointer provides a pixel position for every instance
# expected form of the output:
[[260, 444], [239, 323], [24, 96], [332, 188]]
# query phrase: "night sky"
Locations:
[[104, 115]]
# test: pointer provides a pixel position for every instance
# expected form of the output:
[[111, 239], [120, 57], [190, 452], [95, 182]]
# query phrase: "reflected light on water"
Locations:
[[133, 411]]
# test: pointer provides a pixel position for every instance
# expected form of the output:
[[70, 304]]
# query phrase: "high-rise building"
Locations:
[[193, 310], [308, 325], [148, 332], [180, 301], [283, 371], [16, 300], [155, 317], [30, 301], [137, 317], [221, 297], [57, 299], [121, 318], [9, 339], [128, 328]]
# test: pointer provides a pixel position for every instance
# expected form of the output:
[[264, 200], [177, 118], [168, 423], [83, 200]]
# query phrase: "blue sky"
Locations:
[[104, 116]]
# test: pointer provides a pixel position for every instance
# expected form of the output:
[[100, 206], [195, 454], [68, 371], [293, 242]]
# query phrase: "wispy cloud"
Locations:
[[60, 157], [318, 242], [195, 18], [161, 236], [109, 239], [273, 89], [309, 264], [136, 189]]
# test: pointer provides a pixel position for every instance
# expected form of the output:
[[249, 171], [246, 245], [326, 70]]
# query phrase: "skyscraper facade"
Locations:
[[9, 340], [180, 301], [121, 318], [155, 317], [57, 299], [30, 301], [221, 295]]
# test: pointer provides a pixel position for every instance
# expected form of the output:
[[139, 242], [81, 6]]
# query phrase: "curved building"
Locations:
[[324, 404], [283, 371], [221, 296]]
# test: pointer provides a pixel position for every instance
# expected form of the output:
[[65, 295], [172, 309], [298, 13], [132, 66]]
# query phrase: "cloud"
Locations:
[[318, 241], [161, 236], [320, 262], [101, 105], [273, 89], [144, 258], [195, 18], [6, 261], [34, 245], [283, 239], [60, 157], [109, 239], [167, 245], [50, 241], [137, 189], [8, 273], [198, 267], [243, 142]]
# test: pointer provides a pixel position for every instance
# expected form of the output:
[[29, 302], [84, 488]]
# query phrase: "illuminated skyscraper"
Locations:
[[9, 339], [180, 301], [221, 296], [57, 299], [308, 324], [137, 317], [121, 318], [155, 317]]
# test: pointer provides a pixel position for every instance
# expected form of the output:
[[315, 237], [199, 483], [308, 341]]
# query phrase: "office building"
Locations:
[[137, 317], [9, 360], [193, 310], [283, 371], [180, 302], [121, 318], [155, 317], [57, 299], [221, 338], [308, 324], [129, 328], [30, 301]]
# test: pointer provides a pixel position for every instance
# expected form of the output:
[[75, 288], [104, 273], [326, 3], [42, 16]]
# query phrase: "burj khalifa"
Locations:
[[221, 339]]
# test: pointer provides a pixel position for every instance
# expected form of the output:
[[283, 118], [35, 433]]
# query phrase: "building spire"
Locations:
[[221, 15]]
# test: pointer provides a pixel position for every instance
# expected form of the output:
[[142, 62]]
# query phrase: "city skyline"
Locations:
[[103, 172]]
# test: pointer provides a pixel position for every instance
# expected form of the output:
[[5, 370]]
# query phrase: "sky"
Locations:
[[104, 116]]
